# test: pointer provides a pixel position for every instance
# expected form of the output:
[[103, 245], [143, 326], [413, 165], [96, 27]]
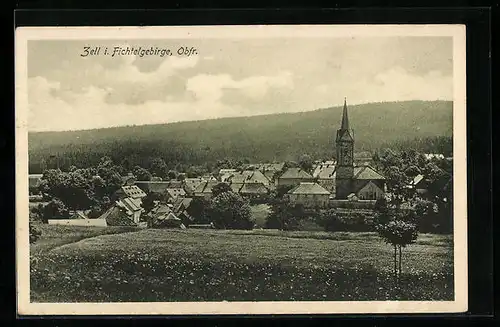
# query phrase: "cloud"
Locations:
[[229, 78], [395, 84], [211, 87]]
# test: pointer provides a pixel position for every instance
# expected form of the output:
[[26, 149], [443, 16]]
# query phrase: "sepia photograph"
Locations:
[[241, 169]]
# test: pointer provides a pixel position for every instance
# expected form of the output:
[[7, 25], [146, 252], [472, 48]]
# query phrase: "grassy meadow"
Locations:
[[89, 264]]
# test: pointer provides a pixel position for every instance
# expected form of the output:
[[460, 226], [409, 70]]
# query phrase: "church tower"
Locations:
[[345, 157]]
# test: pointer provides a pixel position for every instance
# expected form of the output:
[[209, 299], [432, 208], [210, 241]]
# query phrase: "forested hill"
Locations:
[[258, 138]]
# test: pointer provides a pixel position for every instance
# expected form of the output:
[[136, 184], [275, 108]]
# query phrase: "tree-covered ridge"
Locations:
[[277, 137]]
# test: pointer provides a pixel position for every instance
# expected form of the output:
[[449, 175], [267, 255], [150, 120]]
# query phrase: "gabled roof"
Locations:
[[253, 188], [133, 191], [206, 187], [275, 166], [248, 176], [366, 172], [175, 192], [226, 170], [181, 204], [367, 184], [35, 179], [327, 172], [80, 214], [158, 186], [308, 188], [130, 204], [127, 178], [296, 173], [236, 187], [191, 183], [417, 179]]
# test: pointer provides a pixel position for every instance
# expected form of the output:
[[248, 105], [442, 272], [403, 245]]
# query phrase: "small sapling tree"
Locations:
[[399, 234]]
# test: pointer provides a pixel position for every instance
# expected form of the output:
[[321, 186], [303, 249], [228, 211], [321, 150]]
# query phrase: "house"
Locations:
[[236, 187], [124, 212], [294, 176], [225, 173], [430, 156], [34, 181], [208, 177], [204, 190], [419, 183], [130, 191], [269, 170], [163, 216], [426, 187], [79, 214], [190, 184], [254, 190], [309, 194], [129, 179], [180, 209], [324, 173], [174, 193], [248, 176], [368, 184], [158, 186]]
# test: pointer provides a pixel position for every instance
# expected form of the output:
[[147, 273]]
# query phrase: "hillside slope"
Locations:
[[269, 137]]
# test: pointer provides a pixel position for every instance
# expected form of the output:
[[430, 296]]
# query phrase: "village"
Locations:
[[349, 182]]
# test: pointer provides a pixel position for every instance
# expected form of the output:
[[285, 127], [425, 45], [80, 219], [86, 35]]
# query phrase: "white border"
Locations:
[[24, 34]]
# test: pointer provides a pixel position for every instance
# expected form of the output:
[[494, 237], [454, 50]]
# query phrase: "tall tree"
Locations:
[[158, 167], [230, 211]]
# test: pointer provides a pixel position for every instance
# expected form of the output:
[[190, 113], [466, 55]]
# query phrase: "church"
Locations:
[[351, 180]]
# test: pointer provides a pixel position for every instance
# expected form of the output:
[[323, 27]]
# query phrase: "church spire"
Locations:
[[345, 118]]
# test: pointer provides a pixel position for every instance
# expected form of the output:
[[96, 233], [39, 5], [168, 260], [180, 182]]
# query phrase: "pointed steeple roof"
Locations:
[[345, 133], [345, 118]]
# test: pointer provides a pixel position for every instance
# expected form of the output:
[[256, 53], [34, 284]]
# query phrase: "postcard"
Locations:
[[277, 169]]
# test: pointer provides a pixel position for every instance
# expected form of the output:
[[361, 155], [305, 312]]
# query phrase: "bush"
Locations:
[[35, 233], [229, 210], [353, 221], [55, 209], [284, 216]]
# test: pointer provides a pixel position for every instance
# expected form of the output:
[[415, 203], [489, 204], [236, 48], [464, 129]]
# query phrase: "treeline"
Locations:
[[436, 144], [196, 162], [279, 137]]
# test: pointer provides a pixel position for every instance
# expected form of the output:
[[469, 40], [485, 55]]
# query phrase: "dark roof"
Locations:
[[296, 173], [363, 185], [190, 184], [206, 187], [181, 203], [247, 176], [253, 188], [158, 186], [366, 172], [128, 177], [236, 187], [308, 188]]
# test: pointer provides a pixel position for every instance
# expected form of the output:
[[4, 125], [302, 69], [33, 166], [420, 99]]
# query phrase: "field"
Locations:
[[88, 264]]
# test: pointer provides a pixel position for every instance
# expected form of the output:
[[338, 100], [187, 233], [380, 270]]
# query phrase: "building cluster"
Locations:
[[346, 178]]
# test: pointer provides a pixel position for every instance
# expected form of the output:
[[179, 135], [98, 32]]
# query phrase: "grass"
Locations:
[[258, 265], [58, 235]]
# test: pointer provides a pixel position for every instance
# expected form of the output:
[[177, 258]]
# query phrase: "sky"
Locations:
[[227, 78]]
